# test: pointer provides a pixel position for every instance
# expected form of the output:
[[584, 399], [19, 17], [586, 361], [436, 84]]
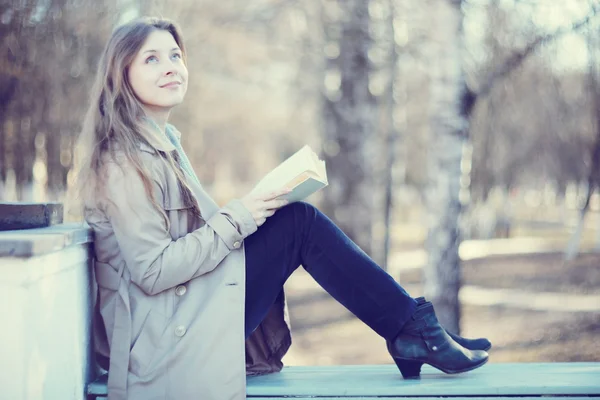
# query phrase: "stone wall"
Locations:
[[45, 304]]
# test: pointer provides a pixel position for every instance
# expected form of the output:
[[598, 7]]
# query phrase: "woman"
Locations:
[[188, 291]]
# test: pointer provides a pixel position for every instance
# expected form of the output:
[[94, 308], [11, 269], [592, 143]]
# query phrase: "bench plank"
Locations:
[[574, 381], [412, 398], [98, 387], [531, 379], [403, 398]]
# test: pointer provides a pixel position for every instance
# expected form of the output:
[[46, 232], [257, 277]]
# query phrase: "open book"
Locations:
[[302, 172]]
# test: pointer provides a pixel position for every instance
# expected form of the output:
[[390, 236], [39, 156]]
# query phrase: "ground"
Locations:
[[530, 329]]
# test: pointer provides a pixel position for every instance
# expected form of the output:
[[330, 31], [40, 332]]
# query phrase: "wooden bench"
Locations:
[[566, 381]]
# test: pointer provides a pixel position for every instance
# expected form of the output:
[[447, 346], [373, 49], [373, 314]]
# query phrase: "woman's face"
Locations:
[[158, 74]]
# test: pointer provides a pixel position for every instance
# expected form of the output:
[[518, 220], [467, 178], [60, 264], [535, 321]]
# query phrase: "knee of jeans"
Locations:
[[305, 209], [303, 214], [302, 208]]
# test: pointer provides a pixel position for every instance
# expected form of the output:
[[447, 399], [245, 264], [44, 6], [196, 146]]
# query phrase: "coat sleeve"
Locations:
[[155, 261]]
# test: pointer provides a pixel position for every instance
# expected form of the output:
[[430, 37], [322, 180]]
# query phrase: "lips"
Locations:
[[170, 84]]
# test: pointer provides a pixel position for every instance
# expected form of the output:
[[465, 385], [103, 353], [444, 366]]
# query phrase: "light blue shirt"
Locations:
[[183, 159]]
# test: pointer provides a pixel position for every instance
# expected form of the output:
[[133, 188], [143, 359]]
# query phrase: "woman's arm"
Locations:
[[157, 262]]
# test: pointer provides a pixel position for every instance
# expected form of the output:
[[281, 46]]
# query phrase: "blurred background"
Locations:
[[462, 142]]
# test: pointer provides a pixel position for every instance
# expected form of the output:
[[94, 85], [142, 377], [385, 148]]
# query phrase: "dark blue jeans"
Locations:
[[299, 234]]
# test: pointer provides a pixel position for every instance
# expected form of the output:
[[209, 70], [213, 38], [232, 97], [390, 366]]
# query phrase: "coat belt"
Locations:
[[112, 279]]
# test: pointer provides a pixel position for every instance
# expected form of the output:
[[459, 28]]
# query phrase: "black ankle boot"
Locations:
[[424, 341], [471, 344]]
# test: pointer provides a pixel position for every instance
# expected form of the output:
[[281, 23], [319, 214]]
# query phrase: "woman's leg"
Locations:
[[299, 234]]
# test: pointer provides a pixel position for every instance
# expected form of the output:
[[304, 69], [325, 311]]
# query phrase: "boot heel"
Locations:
[[408, 368]]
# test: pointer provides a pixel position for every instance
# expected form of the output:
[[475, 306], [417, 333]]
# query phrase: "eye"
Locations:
[[151, 59], [176, 55]]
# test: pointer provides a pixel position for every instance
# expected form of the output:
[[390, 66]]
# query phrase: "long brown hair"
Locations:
[[115, 121]]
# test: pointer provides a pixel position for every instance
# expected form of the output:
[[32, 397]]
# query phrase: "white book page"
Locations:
[[295, 165]]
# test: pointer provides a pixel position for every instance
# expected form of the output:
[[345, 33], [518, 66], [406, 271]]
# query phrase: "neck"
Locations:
[[160, 118]]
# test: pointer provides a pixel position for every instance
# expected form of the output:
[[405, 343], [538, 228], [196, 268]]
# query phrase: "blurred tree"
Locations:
[[393, 124], [593, 176], [450, 105], [348, 108], [395, 48], [529, 125], [50, 49]]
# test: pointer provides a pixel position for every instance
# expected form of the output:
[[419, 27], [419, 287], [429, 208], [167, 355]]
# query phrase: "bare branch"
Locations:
[[517, 59]]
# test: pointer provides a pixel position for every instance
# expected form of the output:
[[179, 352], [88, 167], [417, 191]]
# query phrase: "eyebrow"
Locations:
[[154, 51]]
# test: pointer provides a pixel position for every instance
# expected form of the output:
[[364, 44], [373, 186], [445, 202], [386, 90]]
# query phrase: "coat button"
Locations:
[[236, 245], [180, 290], [180, 331]]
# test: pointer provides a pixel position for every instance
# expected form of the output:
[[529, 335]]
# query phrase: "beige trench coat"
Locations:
[[172, 301]]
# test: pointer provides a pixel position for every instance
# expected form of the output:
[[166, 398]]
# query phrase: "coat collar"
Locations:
[[156, 141]]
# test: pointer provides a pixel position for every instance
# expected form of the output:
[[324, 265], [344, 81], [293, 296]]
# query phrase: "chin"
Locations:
[[176, 101], [170, 104]]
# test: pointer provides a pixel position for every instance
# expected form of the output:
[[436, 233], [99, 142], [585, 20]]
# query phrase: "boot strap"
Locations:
[[435, 339]]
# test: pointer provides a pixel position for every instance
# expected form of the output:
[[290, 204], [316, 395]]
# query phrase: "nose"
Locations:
[[170, 69]]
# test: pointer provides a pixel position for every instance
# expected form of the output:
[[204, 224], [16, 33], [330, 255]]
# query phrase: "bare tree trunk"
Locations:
[[594, 173], [449, 126], [396, 94], [7, 89], [3, 153], [348, 120], [574, 241], [24, 153], [392, 136]]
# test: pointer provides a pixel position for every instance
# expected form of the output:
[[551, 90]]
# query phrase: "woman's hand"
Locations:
[[264, 205]]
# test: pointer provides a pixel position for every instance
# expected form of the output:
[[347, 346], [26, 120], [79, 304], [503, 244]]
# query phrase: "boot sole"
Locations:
[[484, 349], [411, 368]]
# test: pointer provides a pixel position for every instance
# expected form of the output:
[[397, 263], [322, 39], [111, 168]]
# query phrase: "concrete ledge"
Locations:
[[35, 242], [46, 298]]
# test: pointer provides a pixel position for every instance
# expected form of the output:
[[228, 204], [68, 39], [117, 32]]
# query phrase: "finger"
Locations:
[[269, 213], [274, 204], [274, 194], [266, 213]]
